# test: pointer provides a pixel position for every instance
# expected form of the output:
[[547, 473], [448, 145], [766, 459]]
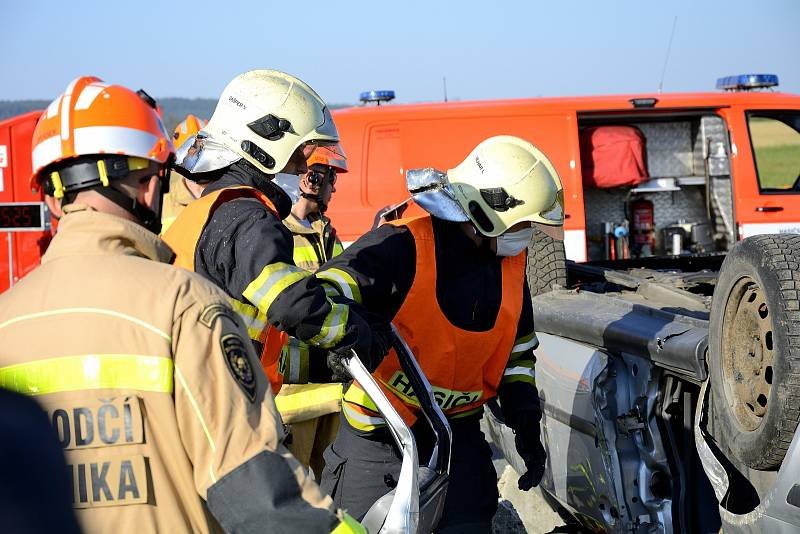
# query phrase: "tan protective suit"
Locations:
[[149, 381]]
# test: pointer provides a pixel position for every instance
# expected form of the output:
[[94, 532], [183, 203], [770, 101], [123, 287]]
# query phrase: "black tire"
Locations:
[[547, 263], [754, 350]]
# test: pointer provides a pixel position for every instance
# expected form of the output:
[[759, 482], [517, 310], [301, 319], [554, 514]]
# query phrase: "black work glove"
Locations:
[[371, 344], [519, 402], [531, 450]]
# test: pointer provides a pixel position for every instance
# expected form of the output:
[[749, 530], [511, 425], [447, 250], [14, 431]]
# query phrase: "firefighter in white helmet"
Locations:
[[265, 122], [147, 374], [453, 283]]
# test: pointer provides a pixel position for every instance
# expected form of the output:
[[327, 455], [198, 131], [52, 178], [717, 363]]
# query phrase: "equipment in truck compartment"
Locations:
[[612, 156]]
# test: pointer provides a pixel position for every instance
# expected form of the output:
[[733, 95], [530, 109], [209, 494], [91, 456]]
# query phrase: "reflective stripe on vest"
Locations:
[[91, 371], [463, 367], [183, 235]]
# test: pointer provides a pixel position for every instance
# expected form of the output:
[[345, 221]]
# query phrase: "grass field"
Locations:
[[777, 150]]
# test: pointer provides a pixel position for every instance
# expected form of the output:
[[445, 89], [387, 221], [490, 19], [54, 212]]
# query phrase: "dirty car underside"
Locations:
[[619, 369]]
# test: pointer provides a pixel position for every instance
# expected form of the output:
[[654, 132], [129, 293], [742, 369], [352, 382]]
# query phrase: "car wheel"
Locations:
[[754, 350], [547, 263]]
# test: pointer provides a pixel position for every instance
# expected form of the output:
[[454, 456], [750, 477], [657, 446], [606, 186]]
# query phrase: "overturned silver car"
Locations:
[[670, 390]]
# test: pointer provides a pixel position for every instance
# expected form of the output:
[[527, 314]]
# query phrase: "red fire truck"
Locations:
[[24, 218], [644, 175]]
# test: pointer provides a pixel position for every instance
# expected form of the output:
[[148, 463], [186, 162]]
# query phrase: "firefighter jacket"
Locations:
[[314, 244], [465, 313], [300, 400], [183, 238], [244, 248], [175, 200], [152, 388]]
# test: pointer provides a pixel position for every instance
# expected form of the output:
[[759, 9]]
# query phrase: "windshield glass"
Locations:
[[775, 136]]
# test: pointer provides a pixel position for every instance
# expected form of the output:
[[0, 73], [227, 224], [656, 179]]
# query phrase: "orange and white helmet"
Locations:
[[188, 128], [92, 118], [332, 156]]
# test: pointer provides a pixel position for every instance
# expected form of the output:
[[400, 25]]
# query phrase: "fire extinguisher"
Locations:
[[643, 227]]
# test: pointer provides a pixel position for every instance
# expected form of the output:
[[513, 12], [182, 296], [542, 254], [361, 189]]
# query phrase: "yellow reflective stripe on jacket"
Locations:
[[349, 526], [295, 354], [254, 319], [520, 371], [360, 411], [343, 281], [268, 285], [333, 327], [337, 248], [309, 396], [360, 420], [304, 254], [524, 344], [91, 371]]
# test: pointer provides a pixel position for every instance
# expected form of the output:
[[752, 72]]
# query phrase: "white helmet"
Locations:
[[262, 116], [505, 180]]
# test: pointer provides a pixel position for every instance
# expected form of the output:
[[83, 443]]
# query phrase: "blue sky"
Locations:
[[485, 49]]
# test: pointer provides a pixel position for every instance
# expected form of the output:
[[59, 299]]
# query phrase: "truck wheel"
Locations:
[[754, 349], [547, 263]]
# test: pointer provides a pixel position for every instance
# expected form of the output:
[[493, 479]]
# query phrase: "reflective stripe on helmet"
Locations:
[[115, 140], [92, 371]]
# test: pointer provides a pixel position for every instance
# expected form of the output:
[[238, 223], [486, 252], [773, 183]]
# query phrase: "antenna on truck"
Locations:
[[666, 59], [444, 85]]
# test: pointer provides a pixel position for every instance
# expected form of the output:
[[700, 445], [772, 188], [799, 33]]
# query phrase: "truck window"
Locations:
[[775, 137]]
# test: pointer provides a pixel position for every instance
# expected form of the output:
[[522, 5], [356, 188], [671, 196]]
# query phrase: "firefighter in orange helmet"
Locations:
[[181, 191], [306, 402], [146, 373]]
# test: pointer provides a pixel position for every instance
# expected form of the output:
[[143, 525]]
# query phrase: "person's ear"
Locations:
[[54, 205], [149, 191]]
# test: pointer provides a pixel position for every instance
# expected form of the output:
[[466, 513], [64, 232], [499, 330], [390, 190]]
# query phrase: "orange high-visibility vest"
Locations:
[[182, 237], [463, 367]]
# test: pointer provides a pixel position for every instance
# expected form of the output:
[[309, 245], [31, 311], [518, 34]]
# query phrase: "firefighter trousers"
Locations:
[[311, 438], [361, 468]]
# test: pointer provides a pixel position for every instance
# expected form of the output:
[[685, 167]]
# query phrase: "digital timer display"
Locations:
[[20, 217]]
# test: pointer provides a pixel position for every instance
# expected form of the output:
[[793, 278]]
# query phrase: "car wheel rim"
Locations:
[[747, 354]]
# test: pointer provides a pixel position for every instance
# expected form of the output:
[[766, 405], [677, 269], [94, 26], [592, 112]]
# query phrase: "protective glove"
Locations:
[[532, 451], [371, 344], [520, 405]]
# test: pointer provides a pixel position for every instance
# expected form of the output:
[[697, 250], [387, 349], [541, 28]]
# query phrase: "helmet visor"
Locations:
[[555, 213], [201, 153], [430, 188], [325, 134]]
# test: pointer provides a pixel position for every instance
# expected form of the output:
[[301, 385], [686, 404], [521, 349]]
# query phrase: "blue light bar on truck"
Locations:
[[746, 82], [376, 96]]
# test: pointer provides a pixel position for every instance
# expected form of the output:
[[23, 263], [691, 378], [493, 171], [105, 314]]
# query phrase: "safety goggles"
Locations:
[[315, 177]]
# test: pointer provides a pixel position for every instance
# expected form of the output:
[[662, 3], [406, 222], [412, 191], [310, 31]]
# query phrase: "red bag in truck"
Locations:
[[612, 156]]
